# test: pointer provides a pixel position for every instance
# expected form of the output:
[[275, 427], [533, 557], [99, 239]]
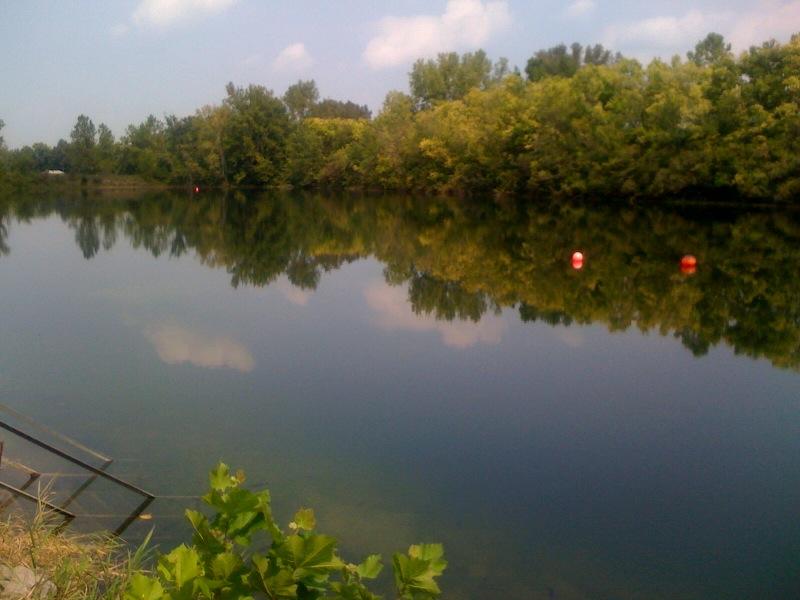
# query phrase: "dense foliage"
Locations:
[[583, 122], [241, 552], [462, 258]]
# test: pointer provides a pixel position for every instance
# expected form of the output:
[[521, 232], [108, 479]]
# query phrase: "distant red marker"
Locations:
[[577, 260], [197, 189], [689, 264]]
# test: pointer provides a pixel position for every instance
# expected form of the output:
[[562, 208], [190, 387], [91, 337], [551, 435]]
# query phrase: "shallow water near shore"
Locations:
[[435, 370]]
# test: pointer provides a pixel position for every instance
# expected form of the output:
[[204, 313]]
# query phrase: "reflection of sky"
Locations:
[[292, 293], [393, 312], [571, 336], [176, 344]]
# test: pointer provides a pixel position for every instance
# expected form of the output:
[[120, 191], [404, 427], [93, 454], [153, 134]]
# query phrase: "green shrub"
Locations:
[[224, 560]]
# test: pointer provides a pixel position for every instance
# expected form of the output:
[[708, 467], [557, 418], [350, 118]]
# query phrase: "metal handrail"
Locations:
[[16, 492], [36, 425], [96, 472], [77, 461]]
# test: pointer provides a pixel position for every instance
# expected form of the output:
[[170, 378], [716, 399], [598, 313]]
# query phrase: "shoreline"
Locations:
[[124, 185]]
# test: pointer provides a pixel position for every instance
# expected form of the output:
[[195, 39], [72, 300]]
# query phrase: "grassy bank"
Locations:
[[37, 561], [75, 182], [226, 558]]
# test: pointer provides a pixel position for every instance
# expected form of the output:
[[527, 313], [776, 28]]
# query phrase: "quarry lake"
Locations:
[[435, 370]]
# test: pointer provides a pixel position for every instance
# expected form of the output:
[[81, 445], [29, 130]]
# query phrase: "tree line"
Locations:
[[578, 121]]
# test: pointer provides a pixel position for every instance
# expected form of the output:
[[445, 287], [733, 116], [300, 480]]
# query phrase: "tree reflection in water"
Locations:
[[462, 259]]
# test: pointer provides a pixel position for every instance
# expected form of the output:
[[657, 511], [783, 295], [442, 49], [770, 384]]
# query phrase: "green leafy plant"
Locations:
[[240, 552]]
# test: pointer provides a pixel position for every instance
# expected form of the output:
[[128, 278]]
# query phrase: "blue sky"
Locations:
[[119, 61]]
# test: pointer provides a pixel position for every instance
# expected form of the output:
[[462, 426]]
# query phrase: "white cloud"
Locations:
[[393, 312], [771, 20], [294, 57], [670, 34], [665, 32], [176, 345], [464, 24], [163, 13], [580, 8]]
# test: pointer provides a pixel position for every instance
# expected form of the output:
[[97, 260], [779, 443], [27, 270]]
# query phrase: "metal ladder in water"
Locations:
[[26, 430]]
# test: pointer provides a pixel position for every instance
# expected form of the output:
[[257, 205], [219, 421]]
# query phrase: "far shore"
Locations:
[[131, 186]]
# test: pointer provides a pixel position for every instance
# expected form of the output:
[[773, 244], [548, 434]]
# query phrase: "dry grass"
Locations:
[[80, 566]]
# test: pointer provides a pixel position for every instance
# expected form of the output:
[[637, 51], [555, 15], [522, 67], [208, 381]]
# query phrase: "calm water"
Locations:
[[423, 370]]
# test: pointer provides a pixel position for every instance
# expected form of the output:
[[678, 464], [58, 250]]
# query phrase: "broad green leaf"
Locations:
[[243, 525], [264, 507], [434, 553], [144, 588], [415, 576], [207, 540], [220, 478], [279, 585], [205, 586], [181, 565], [197, 519], [282, 585], [351, 591], [313, 555], [261, 564], [240, 513], [304, 519], [225, 564], [232, 501], [371, 567]]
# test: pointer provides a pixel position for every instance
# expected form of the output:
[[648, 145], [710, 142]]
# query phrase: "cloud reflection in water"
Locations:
[[176, 345], [394, 312]]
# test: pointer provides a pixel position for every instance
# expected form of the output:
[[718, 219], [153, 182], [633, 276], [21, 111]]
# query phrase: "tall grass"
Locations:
[[93, 567]]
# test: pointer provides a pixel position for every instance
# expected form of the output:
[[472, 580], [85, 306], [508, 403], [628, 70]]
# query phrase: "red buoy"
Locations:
[[689, 264], [197, 189], [577, 260]]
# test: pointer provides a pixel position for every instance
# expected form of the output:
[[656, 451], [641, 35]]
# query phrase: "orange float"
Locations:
[[577, 260], [689, 264]]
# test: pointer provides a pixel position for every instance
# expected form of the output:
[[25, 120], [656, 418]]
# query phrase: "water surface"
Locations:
[[423, 370]]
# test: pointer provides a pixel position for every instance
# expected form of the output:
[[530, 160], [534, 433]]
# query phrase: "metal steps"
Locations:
[[42, 467]]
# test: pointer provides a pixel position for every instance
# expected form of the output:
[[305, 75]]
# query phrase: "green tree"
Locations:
[[143, 150], [43, 156], [560, 61], [106, 150], [390, 144], [82, 146], [710, 51], [556, 61], [336, 109], [500, 70], [181, 144], [3, 158], [61, 155], [300, 98], [449, 77], [209, 125], [598, 55], [22, 160], [255, 136], [322, 152]]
